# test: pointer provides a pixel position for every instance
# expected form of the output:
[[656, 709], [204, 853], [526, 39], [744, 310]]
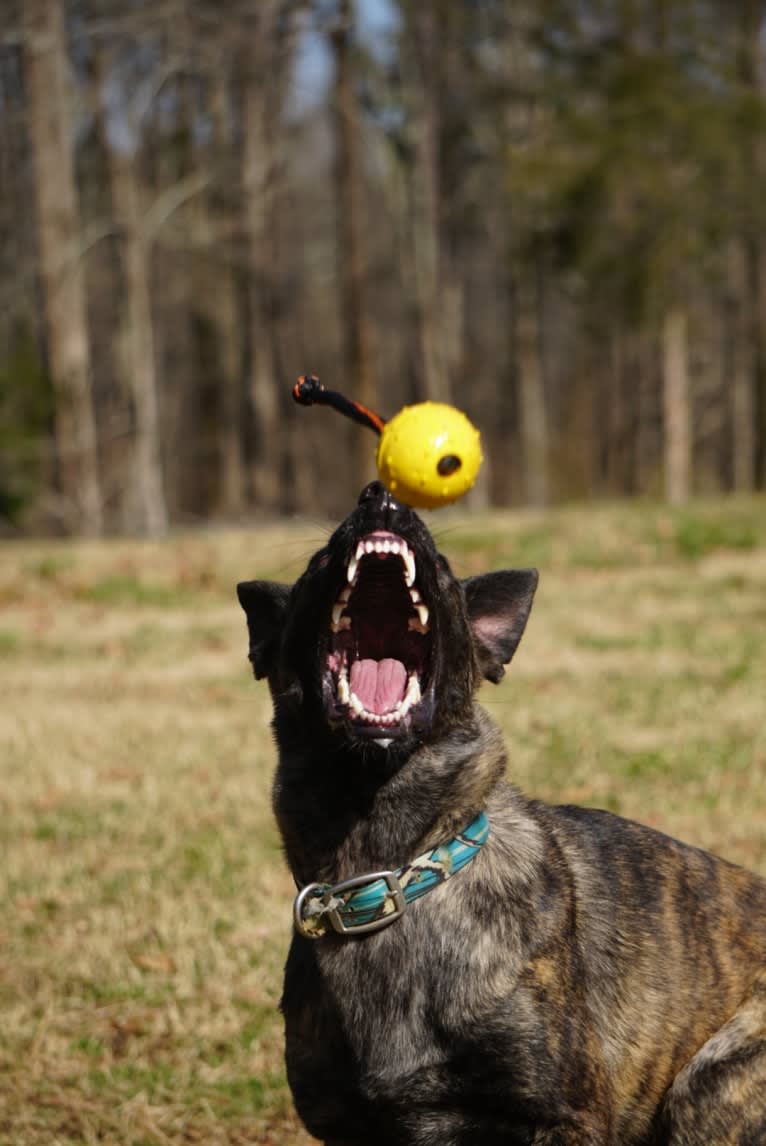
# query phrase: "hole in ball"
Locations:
[[449, 464]]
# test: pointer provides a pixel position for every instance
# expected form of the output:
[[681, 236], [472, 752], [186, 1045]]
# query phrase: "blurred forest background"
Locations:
[[550, 212]]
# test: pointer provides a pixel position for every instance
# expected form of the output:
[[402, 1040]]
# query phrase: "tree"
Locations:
[[140, 365], [352, 248], [226, 303], [263, 61], [749, 397], [629, 180], [422, 46], [51, 129]]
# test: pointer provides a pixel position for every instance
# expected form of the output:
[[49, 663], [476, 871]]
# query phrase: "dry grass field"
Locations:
[[144, 907]]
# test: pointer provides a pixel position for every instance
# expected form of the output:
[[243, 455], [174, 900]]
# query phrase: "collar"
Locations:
[[371, 901]]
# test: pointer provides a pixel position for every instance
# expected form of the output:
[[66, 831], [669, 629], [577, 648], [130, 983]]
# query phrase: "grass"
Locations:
[[144, 906]]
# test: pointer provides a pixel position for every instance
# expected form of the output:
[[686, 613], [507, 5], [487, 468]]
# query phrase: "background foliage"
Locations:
[[550, 213]]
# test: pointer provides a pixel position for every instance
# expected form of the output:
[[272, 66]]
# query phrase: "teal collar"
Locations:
[[368, 902]]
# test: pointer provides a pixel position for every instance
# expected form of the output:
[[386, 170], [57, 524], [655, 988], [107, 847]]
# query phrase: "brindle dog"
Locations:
[[582, 979]]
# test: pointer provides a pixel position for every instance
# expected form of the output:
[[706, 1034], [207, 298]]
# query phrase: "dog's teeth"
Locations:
[[415, 596], [369, 546], [409, 565], [381, 719], [394, 548], [419, 624], [413, 690], [351, 568], [345, 595]]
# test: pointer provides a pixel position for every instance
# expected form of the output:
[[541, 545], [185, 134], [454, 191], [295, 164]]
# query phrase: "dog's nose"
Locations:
[[382, 510], [375, 495]]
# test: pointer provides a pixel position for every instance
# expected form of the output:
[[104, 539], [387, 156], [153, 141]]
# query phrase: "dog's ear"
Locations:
[[498, 607], [265, 604]]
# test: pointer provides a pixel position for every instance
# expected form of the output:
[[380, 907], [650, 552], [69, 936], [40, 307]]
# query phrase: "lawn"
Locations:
[[144, 906]]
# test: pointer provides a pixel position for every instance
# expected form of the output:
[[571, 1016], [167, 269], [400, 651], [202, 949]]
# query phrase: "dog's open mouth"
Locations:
[[380, 640]]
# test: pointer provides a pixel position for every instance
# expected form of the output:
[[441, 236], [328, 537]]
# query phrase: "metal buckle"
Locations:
[[333, 914], [394, 889]]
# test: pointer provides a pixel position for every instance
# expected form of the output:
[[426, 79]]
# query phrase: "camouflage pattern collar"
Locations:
[[369, 902]]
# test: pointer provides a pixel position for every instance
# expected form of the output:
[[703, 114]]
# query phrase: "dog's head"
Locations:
[[377, 641]]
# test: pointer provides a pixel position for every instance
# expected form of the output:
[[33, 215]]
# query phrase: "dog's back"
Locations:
[[673, 942]]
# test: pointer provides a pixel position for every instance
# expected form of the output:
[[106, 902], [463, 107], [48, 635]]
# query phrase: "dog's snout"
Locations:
[[374, 492], [376, 496], [379, 509]]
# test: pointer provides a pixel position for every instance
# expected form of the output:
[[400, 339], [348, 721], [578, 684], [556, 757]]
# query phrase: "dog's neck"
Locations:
[[346, 812]]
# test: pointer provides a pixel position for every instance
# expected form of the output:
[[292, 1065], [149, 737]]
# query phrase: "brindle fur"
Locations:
[[584, 980]]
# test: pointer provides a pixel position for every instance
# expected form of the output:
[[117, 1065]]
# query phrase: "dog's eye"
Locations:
[[321, 560]]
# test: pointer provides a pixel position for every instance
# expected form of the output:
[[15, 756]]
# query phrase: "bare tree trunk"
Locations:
[[231, 444], [649, 402], [531, 388], [753, 77], [756, 288], [51, 133], [258, 174], [140, 364], [351, 245], [614, 413], [263, 69], [677, 406], [433, 323], [742, 372], [225, 313]]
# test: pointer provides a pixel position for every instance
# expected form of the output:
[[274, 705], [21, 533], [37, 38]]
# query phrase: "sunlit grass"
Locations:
[[144, 904]]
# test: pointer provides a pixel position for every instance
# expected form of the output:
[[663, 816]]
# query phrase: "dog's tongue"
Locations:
[[379, 685]]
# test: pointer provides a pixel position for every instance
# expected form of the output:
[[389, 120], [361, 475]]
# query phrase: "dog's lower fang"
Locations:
[[413, 694], [339, 622], [344, 693], [419, 624]]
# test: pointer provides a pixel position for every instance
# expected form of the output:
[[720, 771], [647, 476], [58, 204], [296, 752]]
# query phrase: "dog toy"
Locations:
[[428, 455]]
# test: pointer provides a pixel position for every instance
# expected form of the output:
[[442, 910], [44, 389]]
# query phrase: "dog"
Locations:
[[470, 966]]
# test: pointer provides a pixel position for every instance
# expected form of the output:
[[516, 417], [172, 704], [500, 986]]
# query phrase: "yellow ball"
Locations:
[[429, 455]]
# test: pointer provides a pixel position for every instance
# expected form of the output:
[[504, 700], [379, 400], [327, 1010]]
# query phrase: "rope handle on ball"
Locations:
[[309, 391]]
